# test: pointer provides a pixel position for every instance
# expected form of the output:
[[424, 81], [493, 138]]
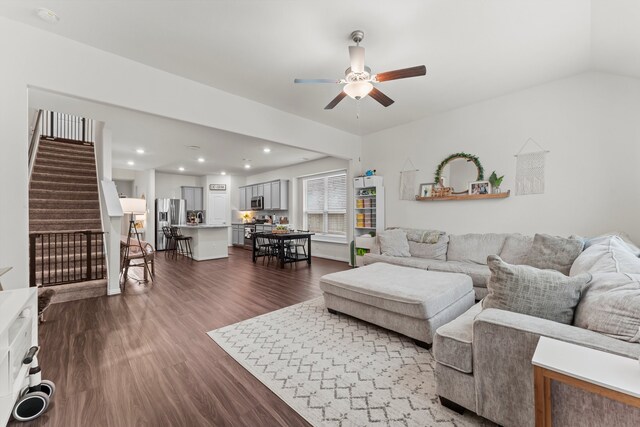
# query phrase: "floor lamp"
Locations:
[[134, 207]]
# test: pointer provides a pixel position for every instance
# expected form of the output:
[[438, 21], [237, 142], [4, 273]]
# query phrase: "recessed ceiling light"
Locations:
[[201, 159], [130, 163], [267, 150], [181, 169], [223, 173], [193, 147], [140, 151], [247, 166], [47, 15]]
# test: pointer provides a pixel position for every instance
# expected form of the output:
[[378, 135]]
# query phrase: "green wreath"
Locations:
[[469, 157]]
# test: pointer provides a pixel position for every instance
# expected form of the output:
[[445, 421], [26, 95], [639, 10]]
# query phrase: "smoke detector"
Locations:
[[47, 15]]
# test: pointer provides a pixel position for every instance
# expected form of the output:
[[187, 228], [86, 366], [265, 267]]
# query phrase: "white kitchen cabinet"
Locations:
[[260, 190]]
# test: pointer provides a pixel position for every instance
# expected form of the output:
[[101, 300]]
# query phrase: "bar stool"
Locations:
[[171, 243], [182, 243]]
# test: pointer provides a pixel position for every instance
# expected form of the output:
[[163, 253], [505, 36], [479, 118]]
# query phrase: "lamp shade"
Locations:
[[133, 206], [357, 90]]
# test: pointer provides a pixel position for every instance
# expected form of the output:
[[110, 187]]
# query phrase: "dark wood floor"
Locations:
[[144, 359]]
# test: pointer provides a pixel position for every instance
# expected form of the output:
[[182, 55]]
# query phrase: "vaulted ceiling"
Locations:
[[473, 50]]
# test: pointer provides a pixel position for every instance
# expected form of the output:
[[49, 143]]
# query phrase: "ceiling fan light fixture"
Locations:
[[358, 90]]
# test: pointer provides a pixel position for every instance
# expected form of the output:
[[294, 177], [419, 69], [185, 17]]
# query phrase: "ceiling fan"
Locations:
[[358, 80]]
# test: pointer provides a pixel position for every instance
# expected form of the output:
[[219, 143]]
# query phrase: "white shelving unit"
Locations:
[[18, 332], [368, 213]]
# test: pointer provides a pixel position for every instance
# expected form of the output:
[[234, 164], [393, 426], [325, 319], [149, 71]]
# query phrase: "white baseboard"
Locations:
[[334, 258]]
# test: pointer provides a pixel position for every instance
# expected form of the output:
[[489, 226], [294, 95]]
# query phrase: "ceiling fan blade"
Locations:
[[335, 101], [381, 97], [356, 53], [316, 81], [404, 73]]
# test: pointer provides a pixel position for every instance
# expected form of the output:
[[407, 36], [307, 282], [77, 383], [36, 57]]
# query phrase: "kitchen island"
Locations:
[[207, 241]]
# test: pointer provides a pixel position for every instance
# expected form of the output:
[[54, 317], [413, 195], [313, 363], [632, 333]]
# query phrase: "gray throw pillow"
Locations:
[[436, 250], [528, 290], [611, 306], [553, 253], [394, 243]]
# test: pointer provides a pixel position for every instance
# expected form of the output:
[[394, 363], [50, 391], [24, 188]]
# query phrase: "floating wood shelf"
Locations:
[[465, 197]]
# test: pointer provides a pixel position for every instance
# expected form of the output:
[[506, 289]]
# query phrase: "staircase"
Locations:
[[65, 227]]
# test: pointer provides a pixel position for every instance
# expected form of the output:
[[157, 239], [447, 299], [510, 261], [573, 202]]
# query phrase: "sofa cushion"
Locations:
[[408, 291], [410, 261], [609, 254], [554, 253], [527, 290], [452, 342], [394, 243], [437, 250], [474, 248], [516, 248], [421, 236], [479, 273], [611, 306], [633, 248]]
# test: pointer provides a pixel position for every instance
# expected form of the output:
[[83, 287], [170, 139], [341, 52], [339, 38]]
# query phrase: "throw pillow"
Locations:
[[436, 250], [554, 253], [516, 248], [394, 243], [609, 255], [528, 290], [611, 306]]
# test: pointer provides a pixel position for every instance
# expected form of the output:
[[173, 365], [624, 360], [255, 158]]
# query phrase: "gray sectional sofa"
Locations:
[[466, 253], [483, 358]]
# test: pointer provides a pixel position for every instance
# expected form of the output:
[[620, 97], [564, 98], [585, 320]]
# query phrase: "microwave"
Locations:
[[257, 203]]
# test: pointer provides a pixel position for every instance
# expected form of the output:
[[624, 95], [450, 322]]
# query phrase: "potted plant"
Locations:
[[495, 182]]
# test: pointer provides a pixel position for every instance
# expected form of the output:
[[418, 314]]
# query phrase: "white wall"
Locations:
[[293, 173], [80, 71], [168, 184], [591, 125]]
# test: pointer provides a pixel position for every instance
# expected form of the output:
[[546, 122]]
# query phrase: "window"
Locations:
[[325, 205]]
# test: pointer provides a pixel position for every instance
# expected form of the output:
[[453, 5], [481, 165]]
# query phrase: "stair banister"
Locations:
[[35, 140]]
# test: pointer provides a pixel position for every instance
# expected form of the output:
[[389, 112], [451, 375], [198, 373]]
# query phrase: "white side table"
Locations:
[[609, 375]]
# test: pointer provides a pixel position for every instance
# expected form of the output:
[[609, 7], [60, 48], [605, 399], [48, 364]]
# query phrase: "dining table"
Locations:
[[282, 240]]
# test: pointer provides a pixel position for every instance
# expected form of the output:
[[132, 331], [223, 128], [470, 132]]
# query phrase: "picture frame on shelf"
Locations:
[[426, 189], [479, 187]]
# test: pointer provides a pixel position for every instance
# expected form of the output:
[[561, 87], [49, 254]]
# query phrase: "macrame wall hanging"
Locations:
[[408, 181], [530, 170]]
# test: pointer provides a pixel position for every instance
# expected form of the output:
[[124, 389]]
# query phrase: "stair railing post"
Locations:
[[88, 273], [32, 260]]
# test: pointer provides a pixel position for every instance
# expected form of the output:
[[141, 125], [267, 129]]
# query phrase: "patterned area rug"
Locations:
[[335, 370]]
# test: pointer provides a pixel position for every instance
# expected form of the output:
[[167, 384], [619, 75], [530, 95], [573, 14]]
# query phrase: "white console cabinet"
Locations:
[[18, 333]]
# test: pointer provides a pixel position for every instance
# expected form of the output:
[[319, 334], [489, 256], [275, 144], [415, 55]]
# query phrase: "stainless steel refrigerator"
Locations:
[[168, 212]]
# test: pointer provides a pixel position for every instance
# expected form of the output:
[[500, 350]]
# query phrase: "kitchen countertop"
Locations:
[[202, 226]]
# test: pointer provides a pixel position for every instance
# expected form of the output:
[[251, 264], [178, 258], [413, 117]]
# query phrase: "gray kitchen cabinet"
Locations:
[[237, 235], [193, 197], [247, 198], [266, 189], [242, 203], [275, 195]]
